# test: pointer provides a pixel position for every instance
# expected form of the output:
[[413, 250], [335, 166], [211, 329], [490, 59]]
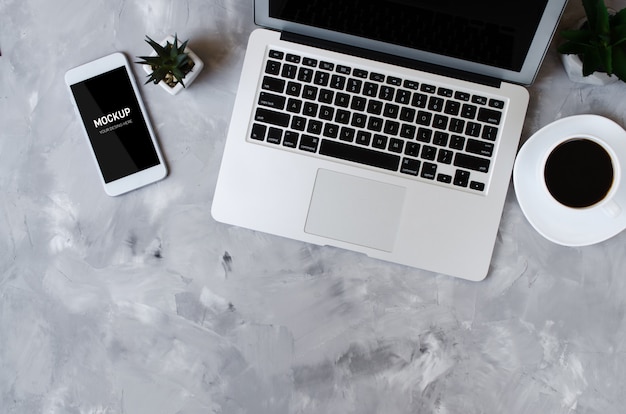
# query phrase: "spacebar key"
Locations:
[[359, 154]]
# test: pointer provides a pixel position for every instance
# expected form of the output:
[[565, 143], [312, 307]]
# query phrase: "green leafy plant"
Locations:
[[600, 42], [170, 64]]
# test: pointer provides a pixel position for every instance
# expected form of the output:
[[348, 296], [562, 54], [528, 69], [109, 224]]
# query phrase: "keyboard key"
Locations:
[[456, 125], [309, 92], [375, 124], [309, 143], [289, 71], [457, 142], [408, 131], [321, 78], [275, 54], [391, 127], [429, 171], [424, 134], [298, 123], [410, 166], [480, 147], [360, 155], [392, 80], [440, 138], [496, 103], [490, 133], [377, 77], [407, 114], [468, 111], [326, 96], [337, 82], [379, 141], [462, 96], [342, 99], [445, 156], [258, 132], [444, 178], [347, 134], [489, 116], [271, 117], [293, 58], [293, 89], [440, 121], [412, 149], [359, 73], [409, 84], [291, 139], [309, 109], [391, 111], [294, 105], [354, 85], [445, 92], [272, 101], [345, 70], [327, 65], [429, 153], [435, 104], [452, 107], [386, 93], [419, 100], [423, 118], [272, 67], [309, 62], [314, 127], [472, 163], [370, 89], [358, 103], [396, 145], [342, 116], [475, 185], [363, 138], [274, 135], [327, 112], [331, 130], [461, 178], [480, 100], [374, 107], [305, 74], [472, 129], [403, 96], [273, 84], [428, 88], [358, 120]]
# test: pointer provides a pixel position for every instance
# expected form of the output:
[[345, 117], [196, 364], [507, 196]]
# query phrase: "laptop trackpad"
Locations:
[[355, 210]]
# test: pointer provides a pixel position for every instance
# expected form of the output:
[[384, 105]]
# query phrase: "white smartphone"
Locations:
[[115, 122]]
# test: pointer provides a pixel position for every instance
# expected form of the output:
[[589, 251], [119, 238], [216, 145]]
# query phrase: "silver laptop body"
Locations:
[[408, 156]]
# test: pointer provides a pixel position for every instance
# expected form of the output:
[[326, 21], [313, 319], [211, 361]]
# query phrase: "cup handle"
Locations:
[[612, 209]]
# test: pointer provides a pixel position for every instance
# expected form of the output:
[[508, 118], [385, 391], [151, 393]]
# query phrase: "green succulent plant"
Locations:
[[600, 42], [171, 63]]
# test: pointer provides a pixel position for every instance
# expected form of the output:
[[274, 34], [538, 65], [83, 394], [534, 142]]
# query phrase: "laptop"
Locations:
[[385, 127]]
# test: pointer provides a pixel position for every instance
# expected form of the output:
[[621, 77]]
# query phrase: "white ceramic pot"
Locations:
[[198, 65], [574, 69]]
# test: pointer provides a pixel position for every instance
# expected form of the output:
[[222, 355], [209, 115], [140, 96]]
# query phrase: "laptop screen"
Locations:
[[496, 38]]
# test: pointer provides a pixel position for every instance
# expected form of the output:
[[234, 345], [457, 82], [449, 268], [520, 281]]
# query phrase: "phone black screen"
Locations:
[[116, 128]]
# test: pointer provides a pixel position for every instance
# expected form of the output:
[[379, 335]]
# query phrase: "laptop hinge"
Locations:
[[391, 59]]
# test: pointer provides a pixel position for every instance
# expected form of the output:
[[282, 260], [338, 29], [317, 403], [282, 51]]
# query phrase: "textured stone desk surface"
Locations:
[[144, 304]]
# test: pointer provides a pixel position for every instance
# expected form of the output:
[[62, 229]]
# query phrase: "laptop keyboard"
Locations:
[[407, 127]]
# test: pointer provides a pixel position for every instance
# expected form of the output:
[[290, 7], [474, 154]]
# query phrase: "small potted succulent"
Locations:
[[172, 64], [595, 52]]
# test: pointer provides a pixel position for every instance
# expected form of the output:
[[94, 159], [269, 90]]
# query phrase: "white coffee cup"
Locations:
[[583, 172]]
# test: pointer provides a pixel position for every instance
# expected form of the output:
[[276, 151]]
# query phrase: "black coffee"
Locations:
[[579, 173]]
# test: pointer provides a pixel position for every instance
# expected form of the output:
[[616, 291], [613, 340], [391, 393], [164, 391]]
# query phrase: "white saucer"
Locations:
[[556, 222]]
